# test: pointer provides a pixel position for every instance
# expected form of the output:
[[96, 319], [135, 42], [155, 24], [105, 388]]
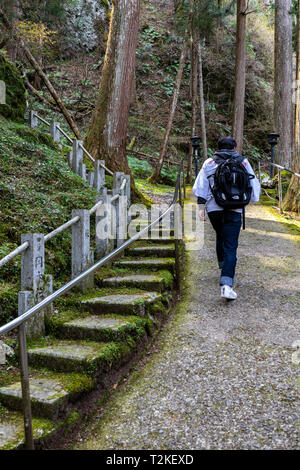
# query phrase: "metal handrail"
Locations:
[[48, 300], [65, 134], [279, 166], [47, 237], [19, 322], [61, 228], [14, 253], [71, 141], [55, 232], [93, 160], [41, 119]]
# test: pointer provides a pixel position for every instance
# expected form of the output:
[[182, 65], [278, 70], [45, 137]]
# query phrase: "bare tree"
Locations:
[[202, 102], [283, 111], [156, 173]]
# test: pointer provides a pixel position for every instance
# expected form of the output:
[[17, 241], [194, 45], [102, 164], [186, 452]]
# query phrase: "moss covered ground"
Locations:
[[15, 96], [38, 192]]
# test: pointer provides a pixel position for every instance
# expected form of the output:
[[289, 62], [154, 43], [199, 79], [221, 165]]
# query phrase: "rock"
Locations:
[[81, 29], [5, 351]]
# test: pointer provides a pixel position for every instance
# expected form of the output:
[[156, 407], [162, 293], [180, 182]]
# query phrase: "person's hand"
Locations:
[[202, 214]]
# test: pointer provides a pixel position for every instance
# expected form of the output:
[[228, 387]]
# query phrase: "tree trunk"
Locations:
[[194, 86], [283, 112], [156, 174], [202, 102], [12, 10], [292, 199], [193, 92], [106, 137], [240, 75]]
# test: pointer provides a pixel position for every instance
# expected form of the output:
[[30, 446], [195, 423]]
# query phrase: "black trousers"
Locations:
[[227, 225]]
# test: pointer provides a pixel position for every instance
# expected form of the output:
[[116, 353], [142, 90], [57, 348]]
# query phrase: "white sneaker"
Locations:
[[228, 293]]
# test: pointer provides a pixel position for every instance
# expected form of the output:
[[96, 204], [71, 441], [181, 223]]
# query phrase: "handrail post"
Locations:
[[128, 195], [77, 155], [104, 241], [259, 172], [280, 192], [120, 206], [32, 119], [35, 285], [184, 185], [29, 444], [99, 175], [90, 178], [82, 170], [54, 131], [81, 254]]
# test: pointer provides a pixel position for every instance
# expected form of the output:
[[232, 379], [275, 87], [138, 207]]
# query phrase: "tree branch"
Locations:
[[41, 73]]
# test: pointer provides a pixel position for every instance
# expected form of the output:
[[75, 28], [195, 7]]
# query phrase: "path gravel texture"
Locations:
[[223, 375]]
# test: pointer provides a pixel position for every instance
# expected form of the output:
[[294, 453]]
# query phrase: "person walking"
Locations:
[[225, 184]]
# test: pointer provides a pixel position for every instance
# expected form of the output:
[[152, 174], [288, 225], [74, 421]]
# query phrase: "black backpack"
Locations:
[[232, 188]]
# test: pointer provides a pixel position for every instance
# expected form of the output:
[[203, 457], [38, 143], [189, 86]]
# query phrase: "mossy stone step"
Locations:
[[155, 240], [78, 356], [103, 328], [159, 232], [124, 304], [144, 281], [47, 397], [164, 251], [12, 429], [147, 263]]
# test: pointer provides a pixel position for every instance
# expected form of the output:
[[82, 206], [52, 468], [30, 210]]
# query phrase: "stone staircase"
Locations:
[[91, 336]]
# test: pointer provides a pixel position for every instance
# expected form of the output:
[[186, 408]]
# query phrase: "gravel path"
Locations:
[[223, 376]]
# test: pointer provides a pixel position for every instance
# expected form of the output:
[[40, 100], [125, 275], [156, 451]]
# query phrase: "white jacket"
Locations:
[[202, 189]]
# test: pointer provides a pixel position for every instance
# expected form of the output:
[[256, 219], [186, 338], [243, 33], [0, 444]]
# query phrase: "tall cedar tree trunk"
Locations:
[[283, 109], [156, 173], [193, 92], [240, 75], [12, 9], [106, 137], [292, 199], [202, 102]]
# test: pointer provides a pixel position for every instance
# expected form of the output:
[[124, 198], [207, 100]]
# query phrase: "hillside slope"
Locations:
[[37, 192], [158, 51]]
